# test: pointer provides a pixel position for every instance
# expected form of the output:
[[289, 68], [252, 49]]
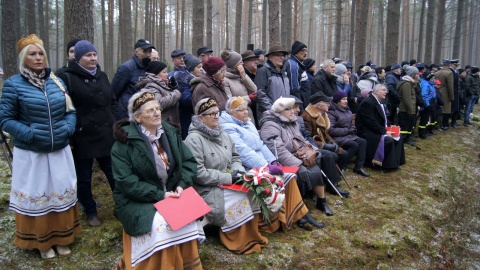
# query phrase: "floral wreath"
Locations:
[[266, 189]]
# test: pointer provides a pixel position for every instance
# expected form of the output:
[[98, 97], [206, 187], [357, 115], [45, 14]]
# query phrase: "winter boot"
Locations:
[[323, 206]]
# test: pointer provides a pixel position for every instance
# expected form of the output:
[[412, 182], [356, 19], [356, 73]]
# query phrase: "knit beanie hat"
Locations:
[[72, 43], [83, 47], [340, 69], [191, 62], [308, 63], [153, 67], [213, 65], [231, 58], [337, 96], [475, 70], [297, 46], [410, 70], [428, 75], [282, 103]]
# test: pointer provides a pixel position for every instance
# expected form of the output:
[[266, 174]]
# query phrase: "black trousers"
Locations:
[[406, 122], [357, 147]]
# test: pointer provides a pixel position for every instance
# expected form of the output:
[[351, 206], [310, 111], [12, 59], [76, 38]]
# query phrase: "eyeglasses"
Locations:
[[212, 115], [152, 110]]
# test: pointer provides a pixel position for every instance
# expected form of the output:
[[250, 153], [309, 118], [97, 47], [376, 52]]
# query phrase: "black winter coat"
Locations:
[[96, 108], [322, 82]]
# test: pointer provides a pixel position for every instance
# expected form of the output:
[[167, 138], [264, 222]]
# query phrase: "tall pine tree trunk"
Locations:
[[197, 25], [78, 20], [352, 31], [429, 32], [393, 21], [338, 28], [10, 36], [274, 25], [361, 31], [439, 34], [31, 18], [458, 29], [238, 25], [420, 43], [264, 23], [250, 21], [209, 34]]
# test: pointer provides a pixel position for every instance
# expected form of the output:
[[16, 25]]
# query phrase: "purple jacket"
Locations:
[[341, 125]]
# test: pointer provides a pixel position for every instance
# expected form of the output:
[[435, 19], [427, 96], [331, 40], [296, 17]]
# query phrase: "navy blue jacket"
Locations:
[[36, 118], [123, 83]]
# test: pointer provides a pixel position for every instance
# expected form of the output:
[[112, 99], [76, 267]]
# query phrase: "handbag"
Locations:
[[306, 153]]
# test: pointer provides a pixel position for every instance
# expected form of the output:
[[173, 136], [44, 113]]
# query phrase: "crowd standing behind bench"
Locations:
[[236, 112]]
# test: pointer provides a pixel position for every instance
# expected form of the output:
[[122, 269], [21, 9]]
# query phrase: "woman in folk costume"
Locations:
[[151, 163], [36, 110], [218, 164]]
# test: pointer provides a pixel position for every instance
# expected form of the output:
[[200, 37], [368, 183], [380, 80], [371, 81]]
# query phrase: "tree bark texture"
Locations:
[[338, 28], [439, 33], [78, 20], [393, 22], [429, 32], [238, 25], [458, 29], [10, 37], [274, 25], [420, 42], [361, 31], [197, 25]]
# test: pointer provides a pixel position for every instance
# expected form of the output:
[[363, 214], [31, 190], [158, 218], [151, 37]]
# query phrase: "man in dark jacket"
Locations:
[[325, 80], [296, 72], [123, 82], [393, 100], [472, 90], [177, 61], [456, 98], [271, 80]]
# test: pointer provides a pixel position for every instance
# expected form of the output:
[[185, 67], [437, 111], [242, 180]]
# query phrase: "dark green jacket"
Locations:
[[137, 184]]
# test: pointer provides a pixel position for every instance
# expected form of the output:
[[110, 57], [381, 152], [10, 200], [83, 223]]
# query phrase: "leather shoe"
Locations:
[[312, 221], [342, 192], [444, 128], [361, 171]]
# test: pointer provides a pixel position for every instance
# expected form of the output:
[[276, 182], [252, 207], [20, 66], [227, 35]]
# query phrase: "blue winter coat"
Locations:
[[252, 150], [36, 118], [123, 83], [428, 93]]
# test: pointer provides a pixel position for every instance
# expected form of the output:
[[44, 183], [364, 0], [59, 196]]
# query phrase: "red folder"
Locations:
[[178, 212], [289, 169], [235, 187]]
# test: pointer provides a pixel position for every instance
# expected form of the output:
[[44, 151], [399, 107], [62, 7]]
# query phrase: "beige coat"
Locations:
[[236, 86]]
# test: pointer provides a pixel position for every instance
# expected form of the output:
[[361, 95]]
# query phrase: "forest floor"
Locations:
[[422, 216]]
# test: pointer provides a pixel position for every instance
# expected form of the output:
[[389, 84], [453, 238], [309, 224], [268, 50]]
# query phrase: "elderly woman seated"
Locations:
[[151, 163], [343, 131], [218, 164], [254, 154], [281, 133], [371, 121]]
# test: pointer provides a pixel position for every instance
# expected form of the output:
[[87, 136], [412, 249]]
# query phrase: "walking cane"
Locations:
[[343, 177], [274, 144], [330, 182]]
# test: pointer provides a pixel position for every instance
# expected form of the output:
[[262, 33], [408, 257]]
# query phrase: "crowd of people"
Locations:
[[204, 124]]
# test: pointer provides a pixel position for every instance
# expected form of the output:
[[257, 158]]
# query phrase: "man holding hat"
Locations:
[[296, 72], [271, 80], [447, 89], [177, 60], [123, 82]]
